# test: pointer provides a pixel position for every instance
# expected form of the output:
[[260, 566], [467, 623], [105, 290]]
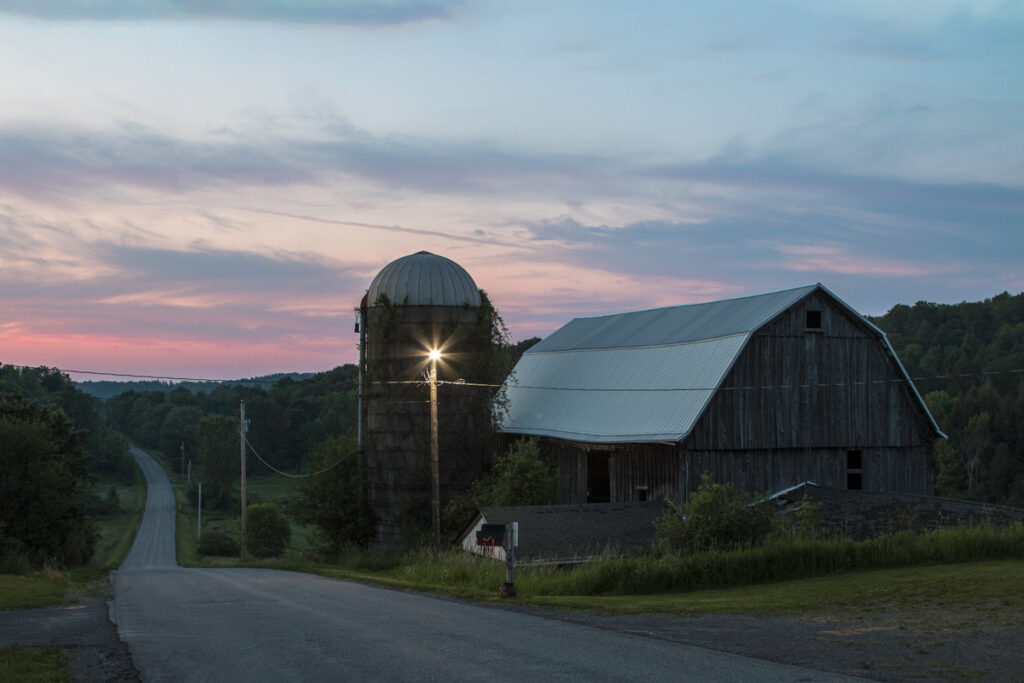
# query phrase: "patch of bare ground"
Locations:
[[933, 643], [83, 629]]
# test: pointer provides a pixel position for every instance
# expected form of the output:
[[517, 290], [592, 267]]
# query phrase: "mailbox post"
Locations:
[[511, 541], [507, 536]]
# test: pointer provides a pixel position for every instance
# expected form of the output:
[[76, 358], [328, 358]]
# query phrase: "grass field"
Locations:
[[117, 531], [42, 664]]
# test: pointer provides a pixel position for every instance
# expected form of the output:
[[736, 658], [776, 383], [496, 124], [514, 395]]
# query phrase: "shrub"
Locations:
[[330, 500], [217, 543], [520, 477], [268, 531], [717, 517]]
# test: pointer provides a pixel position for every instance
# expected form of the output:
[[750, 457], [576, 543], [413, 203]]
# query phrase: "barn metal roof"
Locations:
[[424, 279], [672, 325], [642, 376]]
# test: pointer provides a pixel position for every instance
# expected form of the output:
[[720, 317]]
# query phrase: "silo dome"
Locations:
[[424, 279]]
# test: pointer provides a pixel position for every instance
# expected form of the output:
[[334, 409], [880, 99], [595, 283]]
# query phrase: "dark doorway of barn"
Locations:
[[598, 482]]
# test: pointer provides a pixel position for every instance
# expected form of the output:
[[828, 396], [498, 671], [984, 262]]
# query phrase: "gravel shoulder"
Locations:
[[83, 629], [931, 645]]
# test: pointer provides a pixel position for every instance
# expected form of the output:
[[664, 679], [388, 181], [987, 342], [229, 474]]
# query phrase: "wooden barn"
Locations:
[[764, 391]]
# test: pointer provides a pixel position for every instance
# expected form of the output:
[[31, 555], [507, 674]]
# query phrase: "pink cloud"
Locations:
[[833, 259]]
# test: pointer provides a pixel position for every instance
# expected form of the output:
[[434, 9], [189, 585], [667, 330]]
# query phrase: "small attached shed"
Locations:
[[566, 533], [764, 391]]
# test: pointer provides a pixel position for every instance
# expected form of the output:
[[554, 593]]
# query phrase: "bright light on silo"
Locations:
[[435, 354]]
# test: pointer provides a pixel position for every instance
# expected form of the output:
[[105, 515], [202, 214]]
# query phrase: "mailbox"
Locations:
[[491, 534]]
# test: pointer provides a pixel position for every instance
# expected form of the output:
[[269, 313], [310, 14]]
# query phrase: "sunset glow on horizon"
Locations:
[[208, 193]]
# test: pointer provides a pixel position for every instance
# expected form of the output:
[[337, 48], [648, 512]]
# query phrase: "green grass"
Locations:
[[42, 664], [964, 591], [19, 592], [116, 532]]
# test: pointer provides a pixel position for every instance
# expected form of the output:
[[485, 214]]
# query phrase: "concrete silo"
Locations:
[[417, 303]]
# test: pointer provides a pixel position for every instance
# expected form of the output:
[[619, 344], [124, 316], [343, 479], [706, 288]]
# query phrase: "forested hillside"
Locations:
[[967, 360], [108, 389]]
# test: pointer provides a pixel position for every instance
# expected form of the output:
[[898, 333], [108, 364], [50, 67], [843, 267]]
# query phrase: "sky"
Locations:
[[206, 189]]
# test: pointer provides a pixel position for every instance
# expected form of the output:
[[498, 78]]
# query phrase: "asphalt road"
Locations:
[[253, 624]]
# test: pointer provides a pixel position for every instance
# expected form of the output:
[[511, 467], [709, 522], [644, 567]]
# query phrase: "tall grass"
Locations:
[[786, 559], [457, 574]]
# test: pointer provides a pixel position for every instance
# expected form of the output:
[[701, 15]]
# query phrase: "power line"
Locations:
[[299, 476], [719, 388], [134, 376]]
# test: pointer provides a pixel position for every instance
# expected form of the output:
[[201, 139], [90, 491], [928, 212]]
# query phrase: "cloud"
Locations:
[[200, 292], [48, 163], [343, 12], [44, 163]]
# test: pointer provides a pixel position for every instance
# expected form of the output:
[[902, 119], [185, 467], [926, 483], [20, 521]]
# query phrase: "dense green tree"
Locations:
[[179, 432], [968, 358], [519, 477], [218, 459], [330, 501], [44, 484], [716, 517], [267, 531]]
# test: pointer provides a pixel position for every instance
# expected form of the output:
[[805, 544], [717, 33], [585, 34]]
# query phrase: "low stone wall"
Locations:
[[865, 514]]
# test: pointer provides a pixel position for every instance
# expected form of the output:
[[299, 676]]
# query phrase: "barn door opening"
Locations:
[[598, 480]]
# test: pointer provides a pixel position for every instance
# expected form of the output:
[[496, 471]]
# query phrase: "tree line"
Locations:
[[968, 358], [287, 422]]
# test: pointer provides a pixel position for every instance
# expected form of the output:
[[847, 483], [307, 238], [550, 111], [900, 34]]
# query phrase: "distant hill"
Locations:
[[105, 389]]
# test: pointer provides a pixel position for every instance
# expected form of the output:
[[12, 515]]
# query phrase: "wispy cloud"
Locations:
[[344, 12], [40, 162]]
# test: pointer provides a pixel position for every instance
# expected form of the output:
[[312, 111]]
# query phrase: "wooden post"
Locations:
[[241, 438], [509, 544], [435, 465], [199, 517]]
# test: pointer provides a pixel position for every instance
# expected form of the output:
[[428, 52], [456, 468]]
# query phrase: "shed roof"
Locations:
[[564, 532], [642, 376]]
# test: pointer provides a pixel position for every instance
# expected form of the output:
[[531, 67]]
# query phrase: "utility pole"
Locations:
[[435, 466], [190, 472], [241, 438], [199, 519], [183, 458]]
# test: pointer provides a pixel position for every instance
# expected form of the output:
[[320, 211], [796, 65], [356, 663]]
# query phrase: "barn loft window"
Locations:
[[813, 320], [854, 470], [641, 493]]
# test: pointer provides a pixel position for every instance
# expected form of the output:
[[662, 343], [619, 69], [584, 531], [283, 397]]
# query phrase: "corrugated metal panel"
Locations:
[[672, 325], [424, 279], [621, 395]]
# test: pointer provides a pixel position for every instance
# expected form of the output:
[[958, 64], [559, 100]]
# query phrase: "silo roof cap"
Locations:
[[424, 279]]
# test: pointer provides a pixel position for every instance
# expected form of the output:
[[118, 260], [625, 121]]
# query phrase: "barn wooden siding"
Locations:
[[794, 405]]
